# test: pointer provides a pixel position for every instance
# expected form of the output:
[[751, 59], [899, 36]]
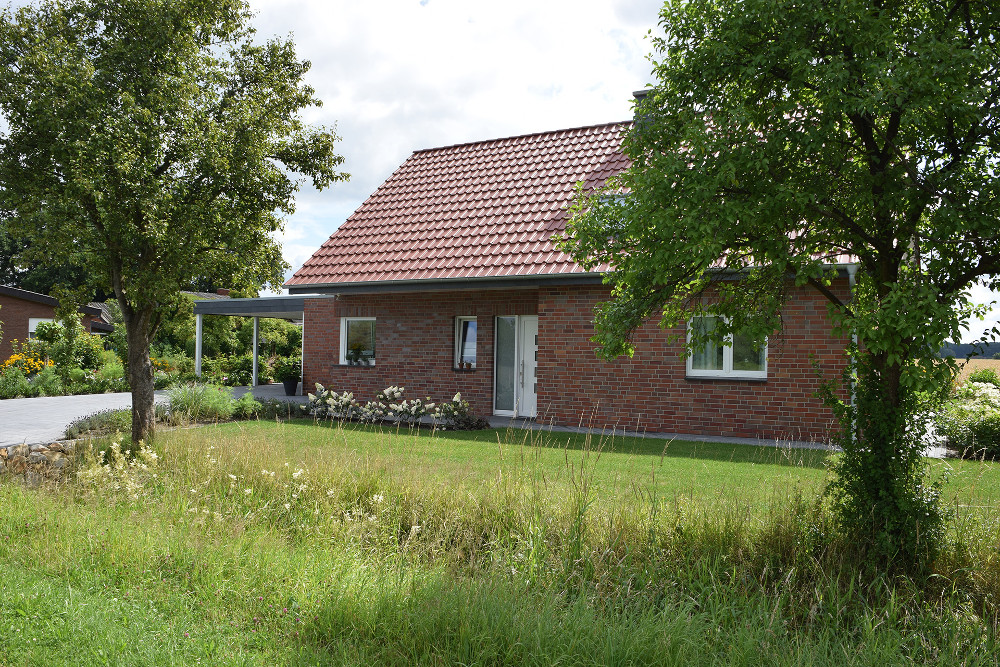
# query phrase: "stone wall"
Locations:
[[35, 462]]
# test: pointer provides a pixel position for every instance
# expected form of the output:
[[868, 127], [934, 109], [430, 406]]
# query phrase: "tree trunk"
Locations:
[[138, 332]]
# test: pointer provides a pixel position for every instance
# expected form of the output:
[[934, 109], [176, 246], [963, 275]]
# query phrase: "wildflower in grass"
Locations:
[[378, 498], [248, 492], [298, 473]]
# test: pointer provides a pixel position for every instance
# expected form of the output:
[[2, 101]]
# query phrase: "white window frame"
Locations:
[[727, 370], [457, 357], [33, 323], [344, 321]]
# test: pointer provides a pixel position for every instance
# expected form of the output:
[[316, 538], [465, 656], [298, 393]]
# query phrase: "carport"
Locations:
[[286, 307]]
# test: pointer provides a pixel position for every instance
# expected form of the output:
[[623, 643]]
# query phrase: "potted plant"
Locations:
[[288, 371]]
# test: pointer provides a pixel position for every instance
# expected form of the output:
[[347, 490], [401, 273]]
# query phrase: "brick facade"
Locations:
[[415, 338], [15, 313]]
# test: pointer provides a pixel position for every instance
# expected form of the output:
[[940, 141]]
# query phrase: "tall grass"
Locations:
[[291, 543]]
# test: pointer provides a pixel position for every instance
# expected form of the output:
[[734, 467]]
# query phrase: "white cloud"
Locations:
[[402, 75]]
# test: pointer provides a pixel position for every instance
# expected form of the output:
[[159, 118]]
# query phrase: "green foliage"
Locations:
[[247, 407], [156, 143], [985, 375], [287, 368], [386, 546], [47, 383], [14, 383], [200, 402], [103, 422], [970, 422], [782, 137]]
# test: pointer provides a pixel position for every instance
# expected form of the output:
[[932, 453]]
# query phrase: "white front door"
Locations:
[[528, 405], [514, 365]]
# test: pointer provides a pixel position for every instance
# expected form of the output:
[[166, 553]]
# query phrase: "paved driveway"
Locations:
[[43, 420]]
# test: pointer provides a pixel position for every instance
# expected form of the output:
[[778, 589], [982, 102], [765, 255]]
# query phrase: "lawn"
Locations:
[[292, 543]]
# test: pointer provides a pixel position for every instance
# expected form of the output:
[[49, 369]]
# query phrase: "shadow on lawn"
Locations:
[[596, 442]]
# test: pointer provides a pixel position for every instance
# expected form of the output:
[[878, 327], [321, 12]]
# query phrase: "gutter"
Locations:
[[852, 270]]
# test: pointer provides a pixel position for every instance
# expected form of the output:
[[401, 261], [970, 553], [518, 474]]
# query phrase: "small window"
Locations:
[[357, 341], [33, 323], [465, 342], [740, 359]]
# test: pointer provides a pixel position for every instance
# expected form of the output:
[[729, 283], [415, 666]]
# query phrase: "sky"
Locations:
[[397, 76]]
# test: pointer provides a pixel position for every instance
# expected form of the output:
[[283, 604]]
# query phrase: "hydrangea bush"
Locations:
[[389, 405], [970, 422]]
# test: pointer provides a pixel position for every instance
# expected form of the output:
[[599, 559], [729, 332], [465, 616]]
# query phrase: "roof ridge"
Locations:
[[520, 136]]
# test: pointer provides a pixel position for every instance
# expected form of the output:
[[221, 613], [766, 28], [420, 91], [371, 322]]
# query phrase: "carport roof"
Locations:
[[289, 307]]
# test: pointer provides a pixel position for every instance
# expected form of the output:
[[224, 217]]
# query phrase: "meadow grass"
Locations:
[[294, 543]]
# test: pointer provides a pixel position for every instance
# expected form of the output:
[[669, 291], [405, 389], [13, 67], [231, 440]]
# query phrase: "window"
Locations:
[[33, 323], [740, 359], [465, 342], [357, 341]]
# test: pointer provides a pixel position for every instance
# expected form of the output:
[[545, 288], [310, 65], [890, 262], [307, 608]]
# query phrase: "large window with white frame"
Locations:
[[357, 341], [741, 357], [465, 342]]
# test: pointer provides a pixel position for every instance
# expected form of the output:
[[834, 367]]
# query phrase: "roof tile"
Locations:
[[485, 209]]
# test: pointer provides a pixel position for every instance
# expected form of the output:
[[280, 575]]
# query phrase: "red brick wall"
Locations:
[[415, 343], [649, 392], [14, 314]]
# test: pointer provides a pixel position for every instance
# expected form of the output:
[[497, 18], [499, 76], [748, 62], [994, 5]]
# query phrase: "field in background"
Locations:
[[975, 364], [292, 543]]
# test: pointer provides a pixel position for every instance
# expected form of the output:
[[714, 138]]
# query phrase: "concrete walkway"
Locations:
[[43, 420]]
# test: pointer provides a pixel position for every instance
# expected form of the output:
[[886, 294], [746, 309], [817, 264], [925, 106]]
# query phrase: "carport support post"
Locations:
[[256, 338], [197, 344]]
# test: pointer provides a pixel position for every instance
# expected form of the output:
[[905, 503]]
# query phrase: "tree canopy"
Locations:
[[154, 142], [784, 136]]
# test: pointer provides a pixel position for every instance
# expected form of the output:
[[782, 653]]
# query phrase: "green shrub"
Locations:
[[200, 402], [247, 407], [985, 375], [105, 422], [970, 422], [287, 368], [48, 383], [14, 384]]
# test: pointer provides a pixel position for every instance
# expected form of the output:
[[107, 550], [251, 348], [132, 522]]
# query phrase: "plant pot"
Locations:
[[291, 386]]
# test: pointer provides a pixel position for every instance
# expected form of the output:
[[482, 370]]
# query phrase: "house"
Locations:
[[21, 311], [447, 280]]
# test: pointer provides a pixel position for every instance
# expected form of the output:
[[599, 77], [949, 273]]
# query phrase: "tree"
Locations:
[[153, 140], [781, 135]]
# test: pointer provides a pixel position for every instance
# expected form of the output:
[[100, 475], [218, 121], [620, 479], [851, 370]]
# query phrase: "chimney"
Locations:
[[222, 291]]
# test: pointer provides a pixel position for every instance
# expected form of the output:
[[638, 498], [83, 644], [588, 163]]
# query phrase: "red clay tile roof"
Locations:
[[480, 210]]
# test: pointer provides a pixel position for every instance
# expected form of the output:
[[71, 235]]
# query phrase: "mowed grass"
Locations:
[[295, 543]]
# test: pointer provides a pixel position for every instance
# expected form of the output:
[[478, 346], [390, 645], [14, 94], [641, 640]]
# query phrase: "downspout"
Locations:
[[852, 270]]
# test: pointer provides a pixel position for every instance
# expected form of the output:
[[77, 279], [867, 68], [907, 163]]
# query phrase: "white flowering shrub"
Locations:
[[117, 474], [390, 404], [327, 404], [970, 422], [410, 412], [457, 415]]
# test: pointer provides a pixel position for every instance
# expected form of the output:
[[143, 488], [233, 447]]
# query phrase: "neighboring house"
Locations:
[[21, 311], [447, 280]]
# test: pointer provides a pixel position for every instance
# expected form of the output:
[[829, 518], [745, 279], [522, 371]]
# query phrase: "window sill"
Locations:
[[357, 365], [464, 370], [724, 378]]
